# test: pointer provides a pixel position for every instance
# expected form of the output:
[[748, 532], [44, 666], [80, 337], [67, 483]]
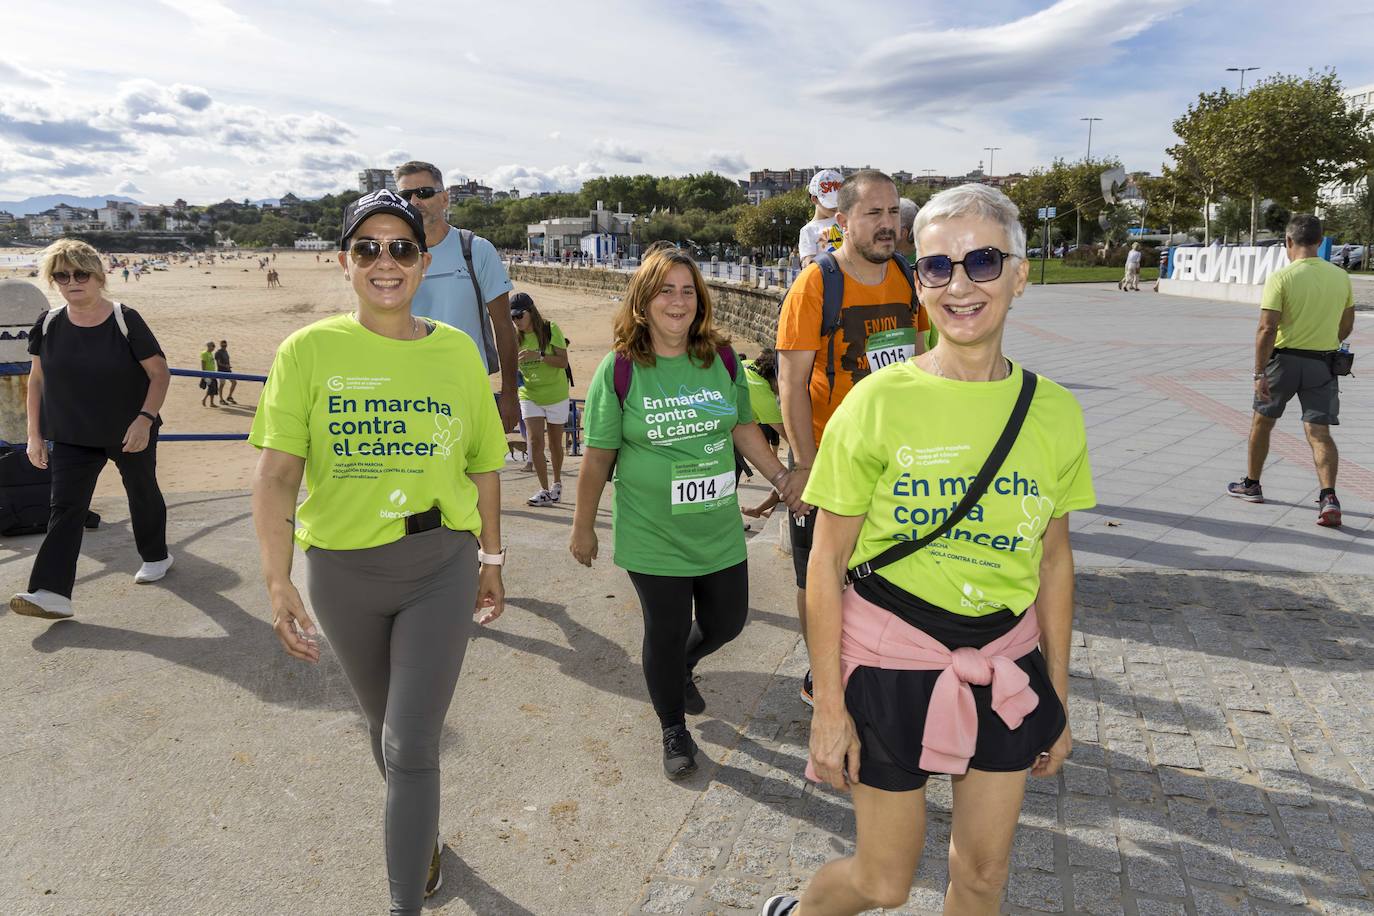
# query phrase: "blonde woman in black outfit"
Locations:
[[98, 381]]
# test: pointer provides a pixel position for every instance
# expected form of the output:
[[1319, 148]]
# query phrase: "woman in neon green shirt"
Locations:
[[953, 659], [392, 423], [543, 393], [667, 408]]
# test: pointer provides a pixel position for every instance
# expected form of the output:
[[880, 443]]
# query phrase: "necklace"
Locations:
[[1006, 365]]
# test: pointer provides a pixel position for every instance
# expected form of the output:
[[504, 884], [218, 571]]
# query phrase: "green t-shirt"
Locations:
[[544, 384], [387, 428], [675, 510], [902, 449], [762, 401], [207, 361], [1310, 294]]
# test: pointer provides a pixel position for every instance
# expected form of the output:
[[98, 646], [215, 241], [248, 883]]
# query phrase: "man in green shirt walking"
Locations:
[[1307, 309]]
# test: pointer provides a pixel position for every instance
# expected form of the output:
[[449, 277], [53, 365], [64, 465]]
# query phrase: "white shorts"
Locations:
[[556, 414]]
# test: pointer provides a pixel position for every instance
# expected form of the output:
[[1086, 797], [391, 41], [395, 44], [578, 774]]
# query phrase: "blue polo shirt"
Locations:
[[446, 294]]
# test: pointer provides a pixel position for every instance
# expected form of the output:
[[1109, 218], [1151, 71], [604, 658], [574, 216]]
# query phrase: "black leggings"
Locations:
[[673, 641]]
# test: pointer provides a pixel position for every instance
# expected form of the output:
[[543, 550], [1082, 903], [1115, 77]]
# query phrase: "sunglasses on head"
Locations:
[[365, 252], [422, 193], [982, 266], [64, 277], [518, 313]]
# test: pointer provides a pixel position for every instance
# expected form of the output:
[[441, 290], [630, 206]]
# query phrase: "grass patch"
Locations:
[[1057, 272]]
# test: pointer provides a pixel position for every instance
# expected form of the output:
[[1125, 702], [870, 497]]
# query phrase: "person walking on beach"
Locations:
[[466, 285], [664, 409], [208, 364], [222, 364], [940, 639], [822, 233], [1306, 310], [95, 390], [824, 351], [544, 395], [390, 419]]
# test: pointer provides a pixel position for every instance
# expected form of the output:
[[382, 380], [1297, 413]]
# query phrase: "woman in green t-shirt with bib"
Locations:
[[667, 407], [952, 658], [543, 393], [392, 423]]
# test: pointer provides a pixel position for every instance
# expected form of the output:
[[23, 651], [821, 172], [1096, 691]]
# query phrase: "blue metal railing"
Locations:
[[210, 437]]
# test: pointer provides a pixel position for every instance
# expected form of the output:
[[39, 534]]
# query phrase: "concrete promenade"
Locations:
[[162, 755]]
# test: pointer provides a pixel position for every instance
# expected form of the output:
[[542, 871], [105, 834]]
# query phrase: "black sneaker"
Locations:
[[692, 700], [436, 874], [679, 752], [780, 905], [808, 690]]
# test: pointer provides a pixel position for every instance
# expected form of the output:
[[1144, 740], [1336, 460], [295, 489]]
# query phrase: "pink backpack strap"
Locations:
[[727, 358]]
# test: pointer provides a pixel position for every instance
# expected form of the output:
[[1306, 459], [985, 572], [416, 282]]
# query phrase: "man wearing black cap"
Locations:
[[465, 275]]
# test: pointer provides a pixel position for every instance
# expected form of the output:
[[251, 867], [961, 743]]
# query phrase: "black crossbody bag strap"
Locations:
[[975, 492]]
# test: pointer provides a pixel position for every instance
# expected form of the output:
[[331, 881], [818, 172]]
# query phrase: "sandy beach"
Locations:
[[189, 305]]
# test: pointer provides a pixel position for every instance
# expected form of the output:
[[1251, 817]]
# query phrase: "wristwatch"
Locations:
[[491, 559], [1258, 376]]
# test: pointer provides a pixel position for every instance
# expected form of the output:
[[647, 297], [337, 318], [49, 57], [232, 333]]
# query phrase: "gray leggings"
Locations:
[[398, 617]]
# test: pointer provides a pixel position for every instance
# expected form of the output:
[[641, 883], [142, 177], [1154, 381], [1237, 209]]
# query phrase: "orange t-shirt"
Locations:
[[866, 310]]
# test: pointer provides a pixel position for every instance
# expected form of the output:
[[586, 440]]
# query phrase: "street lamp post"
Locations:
[[1078, 218], [1242, 71], [991, 151]]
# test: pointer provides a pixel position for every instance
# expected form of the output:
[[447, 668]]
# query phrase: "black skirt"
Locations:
[[889, 706]]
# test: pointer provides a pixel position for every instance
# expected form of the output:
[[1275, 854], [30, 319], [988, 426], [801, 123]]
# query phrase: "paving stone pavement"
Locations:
[[1223, 763]]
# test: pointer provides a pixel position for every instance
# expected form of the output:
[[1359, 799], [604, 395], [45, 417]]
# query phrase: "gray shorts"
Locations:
[[1310, 379]]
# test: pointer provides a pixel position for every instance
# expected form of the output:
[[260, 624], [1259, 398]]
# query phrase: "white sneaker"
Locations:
[[151, 572], [42, 603], [542, 498], [556, 491]]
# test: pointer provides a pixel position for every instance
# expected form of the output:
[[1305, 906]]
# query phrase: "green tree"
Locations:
[[755, 227], [1173, 201]]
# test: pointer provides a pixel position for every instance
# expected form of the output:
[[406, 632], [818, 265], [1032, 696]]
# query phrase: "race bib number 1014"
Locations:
[[700, 486]]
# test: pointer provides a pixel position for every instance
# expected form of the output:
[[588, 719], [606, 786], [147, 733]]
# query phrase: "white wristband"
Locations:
[[491, 559]]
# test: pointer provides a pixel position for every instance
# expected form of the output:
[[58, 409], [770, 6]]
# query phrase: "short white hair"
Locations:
[[909, 209], [976, 200]]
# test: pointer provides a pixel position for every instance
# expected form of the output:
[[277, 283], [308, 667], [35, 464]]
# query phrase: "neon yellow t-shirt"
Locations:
[[903, 447], [207, 361], [762, 401], [387, 428], [1310, 294], [544, 385]]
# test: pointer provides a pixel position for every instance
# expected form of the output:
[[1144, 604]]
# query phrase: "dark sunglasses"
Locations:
[[518, 313], [422, 193], [404, 252], [982, 266], [63, 277]]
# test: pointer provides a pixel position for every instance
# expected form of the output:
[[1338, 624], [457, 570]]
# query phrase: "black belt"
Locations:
[[424, 521], [1305, 354]]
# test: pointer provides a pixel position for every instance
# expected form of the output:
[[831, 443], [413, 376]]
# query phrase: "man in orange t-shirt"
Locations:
[[879, 322]]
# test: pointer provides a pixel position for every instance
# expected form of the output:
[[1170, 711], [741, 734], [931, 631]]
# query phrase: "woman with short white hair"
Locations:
[[940, 584]]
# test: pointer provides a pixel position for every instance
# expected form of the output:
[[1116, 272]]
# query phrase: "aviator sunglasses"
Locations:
[[63, 277], [982, 266], [365, 252], [422, 193]]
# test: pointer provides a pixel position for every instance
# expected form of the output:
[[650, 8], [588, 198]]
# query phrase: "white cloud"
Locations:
[[472, 58], [610, 148], [128, 187], [213, 18], [530, 178], [12, 74], [727, 162], [956, 69], [555, 134]]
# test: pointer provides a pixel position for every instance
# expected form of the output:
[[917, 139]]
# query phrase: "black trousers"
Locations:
[[673, 641], [75, 469]]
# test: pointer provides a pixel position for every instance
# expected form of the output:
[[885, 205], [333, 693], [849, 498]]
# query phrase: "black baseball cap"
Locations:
[[381, 201], [521, 302]]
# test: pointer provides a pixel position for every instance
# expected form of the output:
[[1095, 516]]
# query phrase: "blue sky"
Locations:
[[204, 99]]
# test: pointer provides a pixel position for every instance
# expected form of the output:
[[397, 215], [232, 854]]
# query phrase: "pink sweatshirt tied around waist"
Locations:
[[876, 638]]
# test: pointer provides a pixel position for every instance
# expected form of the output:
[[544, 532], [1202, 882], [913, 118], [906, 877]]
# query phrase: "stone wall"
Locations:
[[746, 313]]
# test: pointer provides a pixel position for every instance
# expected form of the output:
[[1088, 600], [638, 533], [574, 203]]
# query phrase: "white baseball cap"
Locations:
[[825, 187]]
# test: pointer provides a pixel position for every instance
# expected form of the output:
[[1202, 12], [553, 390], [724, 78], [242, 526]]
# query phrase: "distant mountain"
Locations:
[[32, 205]]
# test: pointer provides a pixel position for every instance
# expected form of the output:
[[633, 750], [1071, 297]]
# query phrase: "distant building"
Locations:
[[375, 179], [1340, 192], [512, 194], [469, 190], [119, 215], [7, 218], [552, 237], [60, 219], [312, 242]]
